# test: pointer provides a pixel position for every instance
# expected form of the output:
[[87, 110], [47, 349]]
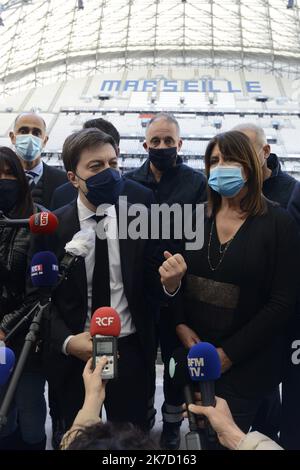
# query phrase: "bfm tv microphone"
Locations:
[[204, 368], [105, 328], [41, 222], [7, 362], [179, 375]]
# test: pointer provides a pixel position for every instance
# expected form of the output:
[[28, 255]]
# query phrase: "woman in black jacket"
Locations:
[[240, 289], [26, 424]]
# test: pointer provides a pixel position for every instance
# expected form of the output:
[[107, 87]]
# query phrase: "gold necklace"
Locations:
[[222, 252]]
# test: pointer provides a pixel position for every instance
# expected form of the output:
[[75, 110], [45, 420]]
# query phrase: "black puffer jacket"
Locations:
[[180, 184], [14, 245]]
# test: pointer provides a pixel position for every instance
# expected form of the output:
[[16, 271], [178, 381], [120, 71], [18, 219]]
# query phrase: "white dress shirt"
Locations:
[[118, 299]]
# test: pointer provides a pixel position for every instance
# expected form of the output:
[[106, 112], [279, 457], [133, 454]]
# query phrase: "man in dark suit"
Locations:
[[29, 138], [125, 284], [135, 192], [172, 182]]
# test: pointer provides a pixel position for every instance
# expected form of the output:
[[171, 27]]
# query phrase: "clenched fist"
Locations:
[[172, 271]]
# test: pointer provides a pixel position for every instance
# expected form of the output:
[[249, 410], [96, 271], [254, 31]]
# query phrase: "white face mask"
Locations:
[[28, 146]]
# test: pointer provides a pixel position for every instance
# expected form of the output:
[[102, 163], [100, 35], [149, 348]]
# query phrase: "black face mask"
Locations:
[[9, 194], [163, 159], [104, 188]]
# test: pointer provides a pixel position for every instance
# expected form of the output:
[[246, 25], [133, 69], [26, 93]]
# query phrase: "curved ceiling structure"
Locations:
[[42, 41]]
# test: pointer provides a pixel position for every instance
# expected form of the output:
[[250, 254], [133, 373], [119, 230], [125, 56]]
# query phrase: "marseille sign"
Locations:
[[202, 85]]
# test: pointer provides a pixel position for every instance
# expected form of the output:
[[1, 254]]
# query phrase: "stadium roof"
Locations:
[[42, 41]]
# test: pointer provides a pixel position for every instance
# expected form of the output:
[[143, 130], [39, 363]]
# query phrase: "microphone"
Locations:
[[41, 222], [44, 276], [7, 362], [79, 246], [44, 269], [105, 328], [204, 368], [179, 375]]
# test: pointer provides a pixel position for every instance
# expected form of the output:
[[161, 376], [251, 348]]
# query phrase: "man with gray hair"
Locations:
[[172, 182], [280, 187]]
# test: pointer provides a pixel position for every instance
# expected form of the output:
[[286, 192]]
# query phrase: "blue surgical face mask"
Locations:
[[28, 146], [9, 194], [104, 187], [226, 180]]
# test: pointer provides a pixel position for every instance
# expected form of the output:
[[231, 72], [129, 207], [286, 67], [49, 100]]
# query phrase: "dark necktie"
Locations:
[[30, 175], [101, 277]]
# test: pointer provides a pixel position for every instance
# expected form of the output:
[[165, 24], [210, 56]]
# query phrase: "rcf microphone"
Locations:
[[7, 362], [41, 222], [204, 368], [105, 328], [44, 269], [179, 375]]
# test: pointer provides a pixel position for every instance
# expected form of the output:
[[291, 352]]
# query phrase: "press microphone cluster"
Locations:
[[41, 222], [44, 275], [105, 328], [47, 274]]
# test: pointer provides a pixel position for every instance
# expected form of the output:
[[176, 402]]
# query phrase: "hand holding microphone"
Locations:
[[93, 400], [94, 385], [221, 420]]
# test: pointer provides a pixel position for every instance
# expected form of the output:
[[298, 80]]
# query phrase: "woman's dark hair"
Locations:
[[236, 146], [24, 206], [111, 436]]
